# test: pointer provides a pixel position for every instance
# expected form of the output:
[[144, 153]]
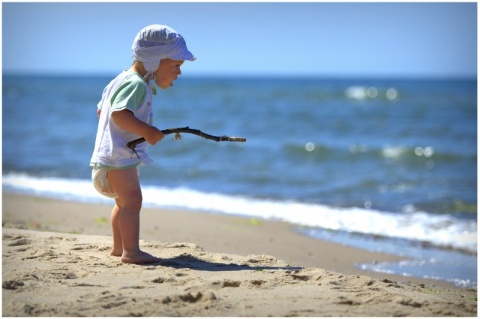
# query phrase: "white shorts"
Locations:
[[100, 182]]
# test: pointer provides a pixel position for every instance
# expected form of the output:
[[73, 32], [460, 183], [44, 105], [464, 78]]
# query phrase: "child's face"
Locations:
[[167, 72]]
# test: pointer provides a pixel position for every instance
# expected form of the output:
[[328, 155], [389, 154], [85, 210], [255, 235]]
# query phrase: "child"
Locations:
[[125, 114]]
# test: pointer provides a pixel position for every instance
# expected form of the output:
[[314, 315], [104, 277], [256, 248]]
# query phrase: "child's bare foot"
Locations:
[[116, 252], [139, 257]]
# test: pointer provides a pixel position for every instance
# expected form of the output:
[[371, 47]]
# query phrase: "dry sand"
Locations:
[[56, 263]]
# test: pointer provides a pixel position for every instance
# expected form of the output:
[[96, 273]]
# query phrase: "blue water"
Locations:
[[384, 158]]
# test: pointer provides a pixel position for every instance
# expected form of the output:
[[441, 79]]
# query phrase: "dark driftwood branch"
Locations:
[[131, 145]]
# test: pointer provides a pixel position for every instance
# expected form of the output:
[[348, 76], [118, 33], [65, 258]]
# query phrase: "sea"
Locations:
[[386, 165]]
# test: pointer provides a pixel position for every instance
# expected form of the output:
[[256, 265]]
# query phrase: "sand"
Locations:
[[55, 258]]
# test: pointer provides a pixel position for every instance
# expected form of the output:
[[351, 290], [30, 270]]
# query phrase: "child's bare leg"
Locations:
[[117, 249], [126, 185]]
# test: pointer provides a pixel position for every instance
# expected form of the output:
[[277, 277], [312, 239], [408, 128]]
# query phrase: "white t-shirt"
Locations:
[[127, 91]]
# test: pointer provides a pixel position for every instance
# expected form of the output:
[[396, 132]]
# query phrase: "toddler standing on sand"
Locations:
[[125, 114]]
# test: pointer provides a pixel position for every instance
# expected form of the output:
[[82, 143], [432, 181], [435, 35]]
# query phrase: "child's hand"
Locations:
[[153, 135], [127, 121]]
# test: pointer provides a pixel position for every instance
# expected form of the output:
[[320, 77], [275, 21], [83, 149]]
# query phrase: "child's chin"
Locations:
[[165, 85]]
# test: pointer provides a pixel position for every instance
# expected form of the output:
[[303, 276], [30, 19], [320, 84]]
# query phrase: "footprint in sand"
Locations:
[[231, 283], [12, 284], [19, 242], [191, 297]]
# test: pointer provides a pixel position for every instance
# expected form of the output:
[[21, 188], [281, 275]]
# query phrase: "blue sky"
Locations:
[[313, 39]]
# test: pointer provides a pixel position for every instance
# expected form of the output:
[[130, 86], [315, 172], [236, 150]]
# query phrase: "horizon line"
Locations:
[[256, 75]]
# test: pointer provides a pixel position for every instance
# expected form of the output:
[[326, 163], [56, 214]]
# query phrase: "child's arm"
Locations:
[[127, 121]]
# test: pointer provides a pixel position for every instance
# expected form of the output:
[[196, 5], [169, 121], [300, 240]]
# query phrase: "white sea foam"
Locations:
[[444, 230]]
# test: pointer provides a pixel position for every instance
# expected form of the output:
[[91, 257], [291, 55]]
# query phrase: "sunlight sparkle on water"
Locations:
[[309, 147]]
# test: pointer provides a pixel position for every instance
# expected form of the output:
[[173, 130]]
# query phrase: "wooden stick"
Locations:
[[132, 144]]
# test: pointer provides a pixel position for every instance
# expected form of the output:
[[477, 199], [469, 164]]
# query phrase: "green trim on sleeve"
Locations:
[[130, 94]]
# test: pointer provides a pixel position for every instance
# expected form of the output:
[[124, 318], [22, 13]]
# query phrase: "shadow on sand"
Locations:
[[192, 262]]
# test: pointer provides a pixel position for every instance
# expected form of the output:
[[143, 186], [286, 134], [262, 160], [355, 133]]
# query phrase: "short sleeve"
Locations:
[[129, 95]]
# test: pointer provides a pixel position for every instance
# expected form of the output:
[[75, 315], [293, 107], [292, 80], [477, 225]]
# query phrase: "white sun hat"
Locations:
[[156, 42]]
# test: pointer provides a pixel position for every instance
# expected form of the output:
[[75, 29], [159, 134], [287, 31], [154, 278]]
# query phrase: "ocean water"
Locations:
[[385, 165]]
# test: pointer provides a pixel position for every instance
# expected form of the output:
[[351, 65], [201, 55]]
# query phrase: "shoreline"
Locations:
[[212, 265], [213, 232]]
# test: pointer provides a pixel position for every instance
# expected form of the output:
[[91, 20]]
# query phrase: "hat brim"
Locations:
[[185, 55]]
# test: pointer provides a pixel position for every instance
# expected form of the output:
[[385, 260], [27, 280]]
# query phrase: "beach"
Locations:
[[56, 262]]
